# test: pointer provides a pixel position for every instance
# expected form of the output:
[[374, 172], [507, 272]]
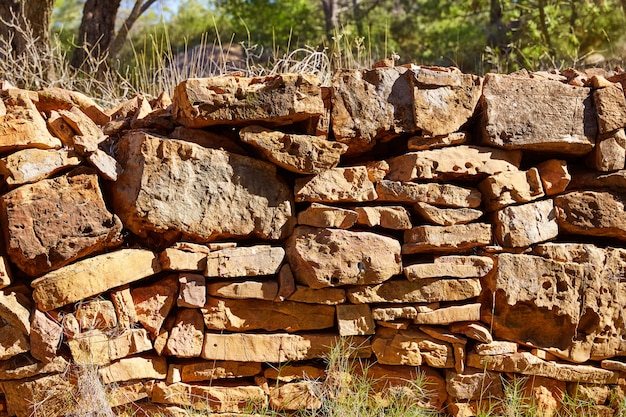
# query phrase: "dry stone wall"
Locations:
[[207, 251]]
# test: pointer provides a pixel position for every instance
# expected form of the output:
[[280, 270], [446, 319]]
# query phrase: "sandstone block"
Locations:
[[336, 185], [609, 153], [329, 296], [329, 257], [447, 315], [211, 370], [446, 195], [274, 348], [192, 293], [444, 335], [185, 257], [286, 283], [387, 217], [137, 367], [45, 337], [320, 215], [15, 310], [355, 320], [105, 164], [208, 139], [12, 342], [124, 307], [244, 261], [394, 313], [450, 266], [23, 127], [508, 188], [611, 108], [591, 213], [93, 276], [244, 315], [31, 165], [54, 98], [154, 302], [187, 336], [532, 118], [474, 384], [437, 239], [98, 348], [127, 394], [421, 143], [80, 123], [6, 276], [25, 366], [233, 100], [377, 170], [260, 290], [554, 176], [294, 396], [525, 225], [96, 314], [50, 396], [446, 216], [411, 347], [302, 154], [496, 347], [422, 291], [53, 222], [476, 331], [202, 194], [454, 163], [291, 373]]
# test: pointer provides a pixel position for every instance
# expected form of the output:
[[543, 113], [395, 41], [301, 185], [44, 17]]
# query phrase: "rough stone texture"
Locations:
[[421, 143], [411, 347], [451, 267], [208, 371], [474, 384], [185, 256], [96, 347], [387, 217], [329, 257], [6, 276], [447, 315], [208, 139], [15, 310], [320, 215], [25, 366], [276, 348], [201, 195], [302, 154], [32, 165], [611, 108], [446, 195], [50, 396], [154, 302], [438, 239], [447, 216], [138, 367], [526, 363], [192, 293], [476, 331], [508, 188], [245, 315], [328, 296], [23, 127], [296, 396], [554, 176], [105, 164], [259, 290], [53, 98], [337, 185], [80, 123], [453, 163], [591, 213], [45, 337], [96, 314], [124, 305], [93, 276], [422, 291], [291, 373], [233, 100], [12, 342], [46, 225], [496, 347], [187, 336], [244, 261], [525, 225], [537, 115], [353, 320], [609, 153]]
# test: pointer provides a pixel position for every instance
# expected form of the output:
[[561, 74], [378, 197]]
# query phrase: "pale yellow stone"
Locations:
[[437, 239], [138, 367], [244, 261], [447, 216], [420, 143], [387, 217], [184, 257], [446, 195], [496, 347], [422, 291], [450, 266], [260, 290], [126, 393], [320, 215], [353, 320], [124, 307], [98, 348], [508, 188], [93, 276], [447, 315], [338, 185], [474, 384], [96, 314], [212, 370]]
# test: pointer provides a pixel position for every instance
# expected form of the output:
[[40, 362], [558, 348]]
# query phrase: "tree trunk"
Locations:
[[330, 17], [95, 34], [138, 9], [25, 24], [543, 24]]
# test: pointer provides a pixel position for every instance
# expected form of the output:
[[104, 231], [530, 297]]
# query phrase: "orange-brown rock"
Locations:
[[470, 266], [411, 347], [421, 143], [124, 306], [525, 225], [45, 337], [32, 165], [591, 213], [185, 256], [187, 336], [555, 176], [446, 195], [211, 370], [80, 123], [302, 154], [475, 330], [321, 215], [422, 291], [611, 108], [259, 290], [453, 163], [53, 98], [208, 139], [54, 222], [96, 314], [93, 276], [154, 302], [15, 310], [291, 373], [330, 257], [234, 100], [496, 347], [49, 395], [447, 216], [244, 261], [96, 347], [105, 164], [508, 188], [23, 127], [329, 296], [25, 366], [336, 185], [474, 384], [355, 320], [531, 118], [609, 153], [387, 217], [12, 342], [447, 315], [136, 367], [296, 396], [438, 239]]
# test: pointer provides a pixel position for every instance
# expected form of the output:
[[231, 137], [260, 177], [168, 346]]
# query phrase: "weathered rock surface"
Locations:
[[96, 347], [474, 384], [422, 291], [411, 347], [201, 195], [330, 257], [437, 239], [23, 127], [241, 290], [320, 215], [244, 261], [447, 315], [96, 314], [353, 320], [192, 292], [31, 165], [245, 315], [295, 396], [208, 139], [53, 98], [525, 225], [446, 195], [15, 310], [302, 154], [453, 163], [555, 176], [208, 371], [470, 266], [591, 213], [50, 395], [187, 336], [46, 226], [328, 296], [45, 337], [421, 143], [93, 276], [447, 216], [124, 306], [138, 367], [232, 100], [105, 164], [611, 108], [609, 153], [80, 123], [387, 217], [539, 116], [476, 331], [508, 188], [12, 342], [337, 185], [154, 302]]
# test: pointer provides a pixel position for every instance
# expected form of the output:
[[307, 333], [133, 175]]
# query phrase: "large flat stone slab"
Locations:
[[446, 195], [591, 213], [422, 291]]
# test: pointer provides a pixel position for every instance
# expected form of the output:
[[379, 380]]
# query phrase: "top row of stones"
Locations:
[[368, 106]]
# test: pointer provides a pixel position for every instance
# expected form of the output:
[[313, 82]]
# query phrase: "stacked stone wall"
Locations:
[[207, 251]]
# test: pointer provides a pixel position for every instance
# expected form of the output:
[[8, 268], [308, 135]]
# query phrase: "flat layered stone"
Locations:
[[15, 310], [49, 395], [446, 216], [23, 127], [233, 100], [302, 154], [555, 176], [422, 291], [609, 153], [137, 367], [201, 195], [57, 221], [526, 363], [437, 239], [187, 335], [80, 123], [336, 185], [508, 188], [476, 331], [474, 384], [291, 373], [246, 315], [591, 213], [96, 314], [320, 215], [387, 217], [329, 296], [540, 116], [186, 256], [96, 347], [353, 320], [105, 164], [411, 347], [525, 225], [454, 163], [193, 290], [12, 342], [357, 258], [450, 267], [208, 139], [25, 366], [496, 347], [93, 276], [45, 337], [124, 306], [296, 396], [394, 313], [274, 348], [611, 108], [54, 98], [421, 143], [259, 290], [211, 370], [444, 335], [446, 195], [31, 165], [447, 315], [244, 261], [154, 302]]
